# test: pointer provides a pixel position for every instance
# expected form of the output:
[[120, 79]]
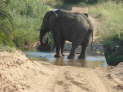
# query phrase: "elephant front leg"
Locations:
[[57, 51], [57, 44], [72, 53], [82, 54]]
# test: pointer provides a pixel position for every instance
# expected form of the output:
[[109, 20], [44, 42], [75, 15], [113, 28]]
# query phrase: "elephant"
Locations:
[[67, 26]]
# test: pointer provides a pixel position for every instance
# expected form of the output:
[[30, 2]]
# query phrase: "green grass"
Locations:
[[6, 25], [109, 16], [27, 17], [7, 48]]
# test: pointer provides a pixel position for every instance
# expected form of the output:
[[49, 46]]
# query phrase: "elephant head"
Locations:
[[48, 24]]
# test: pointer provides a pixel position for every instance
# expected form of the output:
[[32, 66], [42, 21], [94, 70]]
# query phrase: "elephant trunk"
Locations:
[[42, 34], [44, 28]]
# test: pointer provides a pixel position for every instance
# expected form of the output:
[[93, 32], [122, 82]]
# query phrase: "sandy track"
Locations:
[[19, 74], [71, 79]]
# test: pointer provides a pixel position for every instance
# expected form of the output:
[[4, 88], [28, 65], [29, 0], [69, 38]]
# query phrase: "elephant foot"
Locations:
[[70, 56], [56, 56], [81, 57]]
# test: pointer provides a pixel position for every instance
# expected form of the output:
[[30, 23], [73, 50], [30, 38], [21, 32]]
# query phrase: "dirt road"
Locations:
[[71, 79], [19, 74]]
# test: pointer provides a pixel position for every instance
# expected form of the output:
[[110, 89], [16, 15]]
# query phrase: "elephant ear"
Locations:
[[49, 20], [45, 21], [52, 20]]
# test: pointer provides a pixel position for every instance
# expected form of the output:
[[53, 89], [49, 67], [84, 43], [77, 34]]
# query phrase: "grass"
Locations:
[[27, 16], [7, 48], [6, 25], [109, 16]]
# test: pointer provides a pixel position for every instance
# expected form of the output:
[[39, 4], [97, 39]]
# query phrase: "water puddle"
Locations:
[[90, 61]]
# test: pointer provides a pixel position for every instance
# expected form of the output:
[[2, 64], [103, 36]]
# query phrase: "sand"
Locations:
[[20, 74]]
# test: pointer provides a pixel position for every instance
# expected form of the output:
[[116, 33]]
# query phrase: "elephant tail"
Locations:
[[91, 30], [91, 39]]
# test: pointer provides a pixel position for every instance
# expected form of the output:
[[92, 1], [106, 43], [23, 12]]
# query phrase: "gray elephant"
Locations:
[[74, 27]]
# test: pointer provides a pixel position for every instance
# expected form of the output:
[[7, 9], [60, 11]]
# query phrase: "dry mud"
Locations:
[[19, 74]]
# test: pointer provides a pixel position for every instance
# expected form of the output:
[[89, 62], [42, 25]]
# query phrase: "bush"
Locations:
[[27, 16], [109, 16], [109, 31], [6, 24], [113, 50], [20, 21]]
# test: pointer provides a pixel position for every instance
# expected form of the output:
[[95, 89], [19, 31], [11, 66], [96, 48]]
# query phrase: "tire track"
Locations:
[[70, 79]]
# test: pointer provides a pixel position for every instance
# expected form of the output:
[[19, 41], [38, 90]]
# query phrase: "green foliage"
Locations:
[[20, 21], [27, 16], [7, 48], [114, 59], [6, 24], [113, 50], [109, 16]]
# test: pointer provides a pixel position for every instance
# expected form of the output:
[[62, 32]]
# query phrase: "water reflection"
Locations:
[[62, 62], [90, 61], [81, 63]]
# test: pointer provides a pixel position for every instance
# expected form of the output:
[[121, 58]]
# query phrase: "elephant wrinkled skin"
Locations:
[[73, 27]]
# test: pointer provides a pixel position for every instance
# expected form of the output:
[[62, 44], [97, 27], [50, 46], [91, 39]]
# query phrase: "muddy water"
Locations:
[[90, 61]]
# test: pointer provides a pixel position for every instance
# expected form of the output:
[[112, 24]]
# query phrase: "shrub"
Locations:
[[6, 24], [113, 50], [109, 17], [27, 16]]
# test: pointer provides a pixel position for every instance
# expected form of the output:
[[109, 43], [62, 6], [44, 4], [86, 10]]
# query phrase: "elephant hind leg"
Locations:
[[83, 50], [72, 53], [57, 49], [62, 47]]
